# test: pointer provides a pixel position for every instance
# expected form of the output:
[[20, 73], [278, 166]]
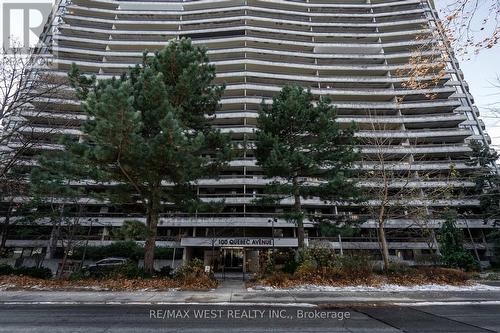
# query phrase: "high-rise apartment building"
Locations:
[[355, 51]]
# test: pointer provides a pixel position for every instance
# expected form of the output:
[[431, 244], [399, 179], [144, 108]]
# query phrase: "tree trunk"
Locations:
[[152, 223], [382, 239], [52, 244], [67, 248], [5, 229], [297, 209]]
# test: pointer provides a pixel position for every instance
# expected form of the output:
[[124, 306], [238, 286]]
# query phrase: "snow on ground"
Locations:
[[383, 287], [4, 287]]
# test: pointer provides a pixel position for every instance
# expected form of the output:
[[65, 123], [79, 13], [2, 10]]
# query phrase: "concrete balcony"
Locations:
[[431, 106], [239, 52], [250, 22], [224, 11], [266, 220], [443, 149], [427, 121], [393, 8], [349, 48], [457, 135], [409, 245]]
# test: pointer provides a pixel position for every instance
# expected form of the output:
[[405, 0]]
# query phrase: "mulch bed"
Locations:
[[13, 282], [411, 277]]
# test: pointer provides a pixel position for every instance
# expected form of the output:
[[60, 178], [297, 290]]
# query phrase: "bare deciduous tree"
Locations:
[[394, 186], [26, 92], [473, 25]]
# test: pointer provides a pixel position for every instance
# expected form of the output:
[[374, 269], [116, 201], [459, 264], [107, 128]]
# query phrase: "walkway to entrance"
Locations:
[[236, 276], [231, 286], [231, 281]]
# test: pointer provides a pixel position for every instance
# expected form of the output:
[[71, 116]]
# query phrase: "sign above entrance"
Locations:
[[244, 242], [239, 242]]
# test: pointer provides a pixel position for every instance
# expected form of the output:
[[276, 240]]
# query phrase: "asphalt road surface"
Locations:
[[51, 318]]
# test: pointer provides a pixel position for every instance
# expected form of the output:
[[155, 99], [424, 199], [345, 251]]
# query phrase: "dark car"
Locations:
[[104, 266]]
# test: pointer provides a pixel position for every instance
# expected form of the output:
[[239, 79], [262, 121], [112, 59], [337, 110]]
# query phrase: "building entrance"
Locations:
[[233, 259]]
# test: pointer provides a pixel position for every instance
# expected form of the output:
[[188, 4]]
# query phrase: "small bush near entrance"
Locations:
[[35, 272], [193, 274], [190, 270]]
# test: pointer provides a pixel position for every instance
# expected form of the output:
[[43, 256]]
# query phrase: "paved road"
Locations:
[[252, 318]]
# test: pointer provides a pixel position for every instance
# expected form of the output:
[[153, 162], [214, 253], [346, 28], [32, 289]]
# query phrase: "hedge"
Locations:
[[127, 249], [35, 272]]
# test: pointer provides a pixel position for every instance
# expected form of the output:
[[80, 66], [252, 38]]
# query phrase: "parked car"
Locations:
[[104, 266]]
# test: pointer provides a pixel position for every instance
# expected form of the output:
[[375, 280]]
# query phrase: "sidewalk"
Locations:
[[233, 292]]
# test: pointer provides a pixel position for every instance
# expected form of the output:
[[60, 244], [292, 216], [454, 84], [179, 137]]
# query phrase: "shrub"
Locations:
[[355, 266], [290, 266], [278, 279], [321, 256], [400, 268], [34, 272], [127, 249], [129, 271], [165, 271], [78, 275], [454, 255], [306, 270], [460, 259], [190, 270], [6, 269]]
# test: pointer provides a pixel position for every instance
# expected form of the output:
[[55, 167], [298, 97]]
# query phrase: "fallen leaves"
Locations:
[[12, 282], [411, 277]]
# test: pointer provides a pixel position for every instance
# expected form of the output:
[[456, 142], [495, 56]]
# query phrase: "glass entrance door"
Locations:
[[233, 260]]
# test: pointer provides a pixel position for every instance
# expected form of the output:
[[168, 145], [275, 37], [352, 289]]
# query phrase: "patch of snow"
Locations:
[[383, 287], [96, 288], [308, 305], [38, 287], [5, 287], [448, 303]]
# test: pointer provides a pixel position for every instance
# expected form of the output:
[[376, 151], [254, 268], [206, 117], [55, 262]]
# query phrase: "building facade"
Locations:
[[355, 51]]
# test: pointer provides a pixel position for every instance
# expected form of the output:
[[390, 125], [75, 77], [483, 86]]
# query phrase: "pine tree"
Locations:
[[56, 201], [300, 143], [487, 181], [147, 135], [451, 241]]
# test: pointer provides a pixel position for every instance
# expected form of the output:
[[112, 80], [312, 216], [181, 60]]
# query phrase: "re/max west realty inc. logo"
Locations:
[[23, 22]]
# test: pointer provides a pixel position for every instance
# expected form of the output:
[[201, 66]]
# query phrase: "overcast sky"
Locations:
[[481, 72]]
